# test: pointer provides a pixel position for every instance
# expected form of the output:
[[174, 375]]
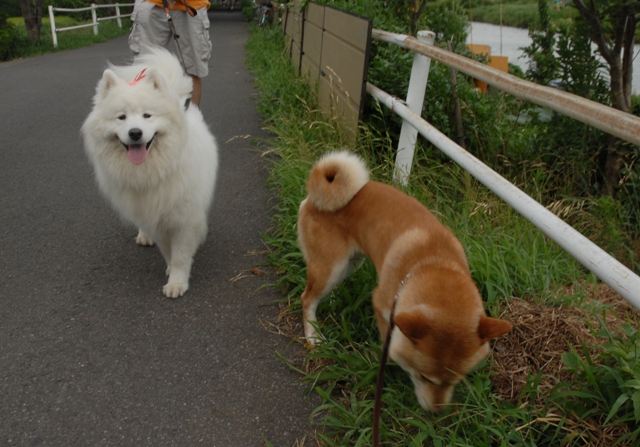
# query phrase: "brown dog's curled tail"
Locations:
[[335, 179]]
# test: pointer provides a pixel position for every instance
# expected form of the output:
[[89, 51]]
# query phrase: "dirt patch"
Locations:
[[540, 336]]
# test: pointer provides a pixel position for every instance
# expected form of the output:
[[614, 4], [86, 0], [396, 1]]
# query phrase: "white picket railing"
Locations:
[[94, 18], [623, 125]]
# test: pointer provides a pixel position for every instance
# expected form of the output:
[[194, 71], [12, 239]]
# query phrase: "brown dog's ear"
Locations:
[[490, 328], [413, 325]]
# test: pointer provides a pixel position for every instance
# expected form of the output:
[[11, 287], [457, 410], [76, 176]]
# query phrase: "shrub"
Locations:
[[9, 38]]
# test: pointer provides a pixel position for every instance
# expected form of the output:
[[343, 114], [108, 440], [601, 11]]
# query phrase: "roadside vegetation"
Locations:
[[16, 43], [516, 13], [522, 13], [568, 374]]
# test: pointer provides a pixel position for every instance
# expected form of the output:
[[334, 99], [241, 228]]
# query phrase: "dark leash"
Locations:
[[383, 363], [192, 12], [380, 380]]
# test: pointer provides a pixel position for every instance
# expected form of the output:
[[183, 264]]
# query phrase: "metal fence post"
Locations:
[[415, 100], [118, 15], [52, 21], [94, 18]]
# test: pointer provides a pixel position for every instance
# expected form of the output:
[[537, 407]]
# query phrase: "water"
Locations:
[[507, 41]]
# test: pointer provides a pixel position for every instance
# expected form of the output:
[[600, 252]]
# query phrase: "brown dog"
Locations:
[[442, 331]]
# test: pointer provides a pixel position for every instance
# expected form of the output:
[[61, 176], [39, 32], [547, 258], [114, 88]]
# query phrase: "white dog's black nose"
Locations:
[[135, 134]]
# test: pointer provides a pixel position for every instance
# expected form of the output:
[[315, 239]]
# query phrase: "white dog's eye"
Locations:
[[122, 117], [146, 115]]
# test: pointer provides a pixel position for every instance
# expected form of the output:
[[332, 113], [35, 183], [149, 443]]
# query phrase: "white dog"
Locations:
[[154, 157]]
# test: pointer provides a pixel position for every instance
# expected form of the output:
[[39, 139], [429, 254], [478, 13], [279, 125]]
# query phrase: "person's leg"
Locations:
[[150, 28], [196, 94], [195, 44]]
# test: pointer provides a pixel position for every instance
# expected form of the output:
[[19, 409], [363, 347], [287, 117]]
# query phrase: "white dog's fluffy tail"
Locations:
[[335, 179], [166, 63]]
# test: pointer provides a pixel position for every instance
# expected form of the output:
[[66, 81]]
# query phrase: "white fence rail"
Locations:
[[617, 123], [94, 18]]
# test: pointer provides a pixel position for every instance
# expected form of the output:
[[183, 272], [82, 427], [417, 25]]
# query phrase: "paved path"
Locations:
[[91, 353]]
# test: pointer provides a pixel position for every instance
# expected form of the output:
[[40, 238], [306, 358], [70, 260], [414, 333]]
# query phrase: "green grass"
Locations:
[[67, 40], [508, 257], [518, 13]]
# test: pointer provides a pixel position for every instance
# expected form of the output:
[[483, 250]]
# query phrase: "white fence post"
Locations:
[[604, 266], [94, 18], [118, 15], [415, 100], [94, 22], [52, 21]]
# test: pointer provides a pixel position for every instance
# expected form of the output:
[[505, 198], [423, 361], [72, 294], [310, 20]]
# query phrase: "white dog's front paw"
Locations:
[[143, 239], [175, 289]]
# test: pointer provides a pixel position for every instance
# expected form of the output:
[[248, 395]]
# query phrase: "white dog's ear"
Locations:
[[108, 81], [153, 76]]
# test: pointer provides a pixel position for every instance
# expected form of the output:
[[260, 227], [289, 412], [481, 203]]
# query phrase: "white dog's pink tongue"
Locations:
[[137, 153]]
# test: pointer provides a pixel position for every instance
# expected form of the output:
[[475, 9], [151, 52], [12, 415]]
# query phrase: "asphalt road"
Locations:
[[91, 352]]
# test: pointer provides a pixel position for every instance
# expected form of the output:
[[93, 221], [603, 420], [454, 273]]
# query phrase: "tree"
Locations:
[[32, 13], [611, 25], [416, 8], [543, 65]]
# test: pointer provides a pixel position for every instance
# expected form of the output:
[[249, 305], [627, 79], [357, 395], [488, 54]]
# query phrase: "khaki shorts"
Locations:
[[150, 27]]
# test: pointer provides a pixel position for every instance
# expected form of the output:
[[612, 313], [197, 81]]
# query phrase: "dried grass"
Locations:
[[540, 336]]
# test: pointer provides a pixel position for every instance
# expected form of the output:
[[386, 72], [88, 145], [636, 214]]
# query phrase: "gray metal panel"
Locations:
[[309, 69], [353, 29], [334, 44], [334, 102], [287, 23], [315, 14], [296, 54], [312, 46], [343, 65]]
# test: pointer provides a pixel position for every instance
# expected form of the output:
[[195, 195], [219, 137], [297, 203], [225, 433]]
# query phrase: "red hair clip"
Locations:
[[138, 77]]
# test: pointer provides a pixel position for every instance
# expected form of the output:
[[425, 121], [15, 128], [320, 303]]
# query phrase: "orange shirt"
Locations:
[[178, 5]]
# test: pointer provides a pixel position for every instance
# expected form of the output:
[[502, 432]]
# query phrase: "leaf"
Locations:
[[636, 405], [621, 400], [572, 360], [418, 441]]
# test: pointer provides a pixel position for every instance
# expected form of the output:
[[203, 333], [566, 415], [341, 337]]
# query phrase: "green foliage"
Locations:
[[516, 13], [10, 8], [9, 38], [609, 383], [543, 64], [67, 40], [448, 19], [579, 70], [248, 9], [629, 195], [72, 4]]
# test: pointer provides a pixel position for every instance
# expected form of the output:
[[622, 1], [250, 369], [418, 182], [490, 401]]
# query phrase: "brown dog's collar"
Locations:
[[395, 301]]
